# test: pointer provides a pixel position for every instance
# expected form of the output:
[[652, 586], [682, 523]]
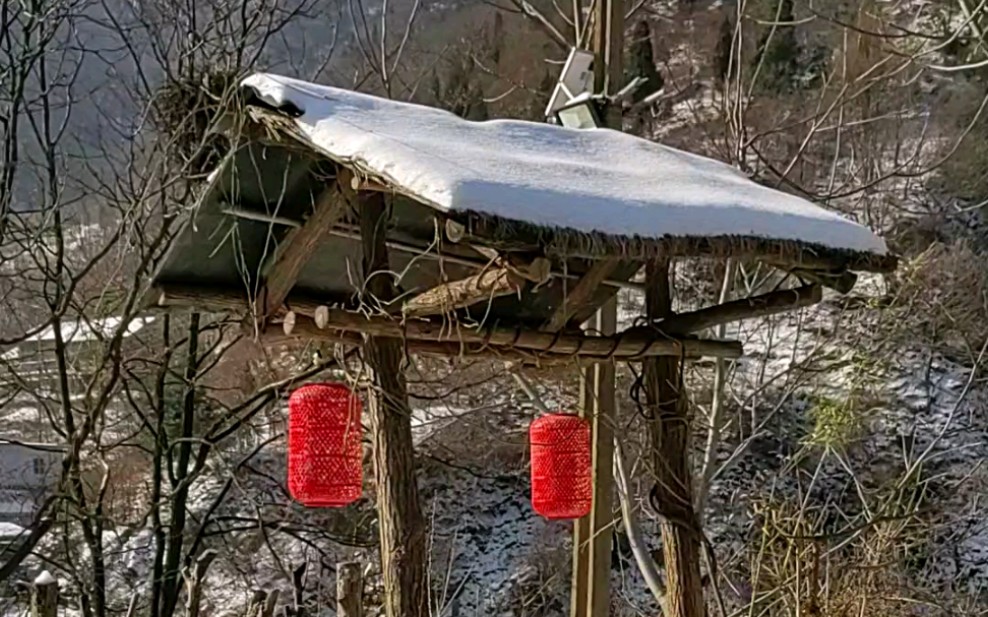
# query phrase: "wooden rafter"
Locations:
[[842, 281], [298, 246], [579, 296]]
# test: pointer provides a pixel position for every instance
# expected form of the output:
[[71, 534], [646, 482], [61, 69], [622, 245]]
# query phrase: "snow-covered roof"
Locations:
[[589, 181], [82, 331]]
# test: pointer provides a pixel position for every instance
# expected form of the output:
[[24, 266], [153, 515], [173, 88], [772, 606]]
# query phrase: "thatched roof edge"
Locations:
[[276, 126]]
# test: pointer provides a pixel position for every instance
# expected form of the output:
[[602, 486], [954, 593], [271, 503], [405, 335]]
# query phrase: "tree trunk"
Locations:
[[400, 521], [176, 529], [669, 433]]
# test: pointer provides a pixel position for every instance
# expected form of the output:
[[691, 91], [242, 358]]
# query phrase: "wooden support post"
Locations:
[[349, 590], [669, 433], [400, 521], [44, 595], [593, 534], [592, 568]]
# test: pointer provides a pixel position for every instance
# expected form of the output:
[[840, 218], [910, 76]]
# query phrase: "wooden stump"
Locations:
[[44, 595], [349, 590]]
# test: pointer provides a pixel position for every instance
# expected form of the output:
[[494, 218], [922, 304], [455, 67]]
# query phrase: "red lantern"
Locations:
[[562, 482], [324, 452]]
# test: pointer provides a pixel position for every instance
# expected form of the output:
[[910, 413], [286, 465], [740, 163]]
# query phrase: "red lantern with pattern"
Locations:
[[562, 480], [324, 449]]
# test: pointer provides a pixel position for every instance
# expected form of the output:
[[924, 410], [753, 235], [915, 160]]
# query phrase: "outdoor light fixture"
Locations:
[[580, 113]]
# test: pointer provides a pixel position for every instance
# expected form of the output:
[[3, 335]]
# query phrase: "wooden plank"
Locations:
[[298, 246], [400, 522], [579, 296]]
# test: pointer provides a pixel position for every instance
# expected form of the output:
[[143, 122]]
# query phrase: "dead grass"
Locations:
[[943, 297]]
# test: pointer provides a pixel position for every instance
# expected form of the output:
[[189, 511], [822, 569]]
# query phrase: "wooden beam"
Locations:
[[630, 345], [763, 305], [401, 525], [304, 329], [167, 295], [633, 344], [670, 444], [579, 296], [448, 297], [368, 185], [298, 246], [493, 282]]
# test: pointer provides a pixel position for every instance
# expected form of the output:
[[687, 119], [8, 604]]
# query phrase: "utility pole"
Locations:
[[669, 434], [592, 535]]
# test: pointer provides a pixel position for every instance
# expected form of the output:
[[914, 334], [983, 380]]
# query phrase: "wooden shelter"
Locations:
[[342, 217]]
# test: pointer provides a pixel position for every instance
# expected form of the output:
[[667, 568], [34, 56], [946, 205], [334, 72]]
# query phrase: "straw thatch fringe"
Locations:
[[190, 110], [565, 242]]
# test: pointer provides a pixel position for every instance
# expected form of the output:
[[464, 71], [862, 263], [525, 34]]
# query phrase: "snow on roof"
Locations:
[[589, 181], [10, 530], [81, 331]]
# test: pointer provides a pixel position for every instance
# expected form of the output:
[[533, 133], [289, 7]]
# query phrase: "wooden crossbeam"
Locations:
[[297, 327], [282, 270], [763, 305], [491, 283], [630, 345], [579, 296]]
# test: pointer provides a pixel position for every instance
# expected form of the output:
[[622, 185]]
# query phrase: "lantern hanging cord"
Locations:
[[638, 386]]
